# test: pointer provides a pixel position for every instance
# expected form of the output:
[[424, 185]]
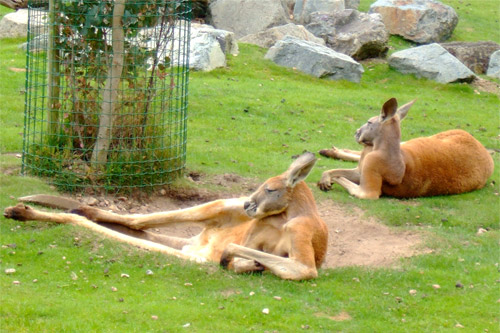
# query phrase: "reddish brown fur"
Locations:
[[277, 227], [450, 162]]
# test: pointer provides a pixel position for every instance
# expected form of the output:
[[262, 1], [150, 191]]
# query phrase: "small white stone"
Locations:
[[10, 271], [265, 311]]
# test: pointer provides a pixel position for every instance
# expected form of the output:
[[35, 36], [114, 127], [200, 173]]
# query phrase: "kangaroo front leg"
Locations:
[[327, 178], [341, 154], [284, 268], [363, 191], [215, 211]]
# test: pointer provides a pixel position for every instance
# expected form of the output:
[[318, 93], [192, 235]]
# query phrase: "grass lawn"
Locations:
[[248, 119]]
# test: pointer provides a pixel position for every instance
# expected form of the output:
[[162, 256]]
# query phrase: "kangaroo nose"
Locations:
[[246, 205]]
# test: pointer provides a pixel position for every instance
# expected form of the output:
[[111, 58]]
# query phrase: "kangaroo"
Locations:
[[276, 228], [450, 162]]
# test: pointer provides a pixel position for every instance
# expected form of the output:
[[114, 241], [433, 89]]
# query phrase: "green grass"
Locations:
[[248, 119]]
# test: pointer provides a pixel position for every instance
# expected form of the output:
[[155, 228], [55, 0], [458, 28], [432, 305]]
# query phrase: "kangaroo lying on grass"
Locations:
[[276, 228], [450, 162]]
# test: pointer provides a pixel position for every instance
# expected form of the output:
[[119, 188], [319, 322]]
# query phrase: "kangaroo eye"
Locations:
[[268, 190]]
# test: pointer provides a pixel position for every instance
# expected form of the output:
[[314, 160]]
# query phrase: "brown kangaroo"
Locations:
[[277, 228], [450, 162]]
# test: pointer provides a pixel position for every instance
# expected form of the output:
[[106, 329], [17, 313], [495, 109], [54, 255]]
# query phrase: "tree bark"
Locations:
[[53, 76], [110, 93]]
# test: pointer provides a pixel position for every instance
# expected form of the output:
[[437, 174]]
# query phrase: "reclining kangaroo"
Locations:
[[450, 162], [276, 228]]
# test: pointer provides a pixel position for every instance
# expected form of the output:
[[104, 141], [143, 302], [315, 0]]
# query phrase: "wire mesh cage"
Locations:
[[107, 87]]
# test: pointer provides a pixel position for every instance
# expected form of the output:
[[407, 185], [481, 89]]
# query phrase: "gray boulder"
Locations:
[[15, 25], [245, 17], [351, 4], [356, 34], [432, 62], [206, 52], [270, 36], [37, 44], [226, 39], [304, 8], [494, 65], [314, 59], [421, 21], [208, 47], [474, 55]]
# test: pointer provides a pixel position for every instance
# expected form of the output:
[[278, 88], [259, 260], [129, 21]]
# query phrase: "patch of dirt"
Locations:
[[342, 316], [354, 240], [481, 85]]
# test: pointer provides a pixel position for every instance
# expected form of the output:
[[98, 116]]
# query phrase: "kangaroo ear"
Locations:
[[299, 169], [403, 111], [389, 109]]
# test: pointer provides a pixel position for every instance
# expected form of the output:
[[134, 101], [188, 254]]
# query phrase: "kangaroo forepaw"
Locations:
[[87, 212], [330, 153], [19, 212]]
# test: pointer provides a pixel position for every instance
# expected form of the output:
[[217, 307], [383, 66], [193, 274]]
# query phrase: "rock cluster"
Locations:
[[318, 27]]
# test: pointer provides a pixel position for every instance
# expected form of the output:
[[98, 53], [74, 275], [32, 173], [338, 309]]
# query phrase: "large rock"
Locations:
[[226, 39], [494, 65], [421, 21], [304, 8], [207, 50], [356, 34], [432, 62], [270, 36], [351, 4], [15, 25], [314, 59], [474, 55], [245, 17], [208, 47]]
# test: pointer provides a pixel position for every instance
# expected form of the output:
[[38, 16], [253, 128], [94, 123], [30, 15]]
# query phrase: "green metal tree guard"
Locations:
[[106, 93]]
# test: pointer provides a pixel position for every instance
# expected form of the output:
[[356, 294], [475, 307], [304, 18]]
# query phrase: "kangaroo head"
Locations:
[[375, 126], [274, 195]]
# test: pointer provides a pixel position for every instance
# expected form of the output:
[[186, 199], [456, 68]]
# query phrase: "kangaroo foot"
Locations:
[[19, 212]]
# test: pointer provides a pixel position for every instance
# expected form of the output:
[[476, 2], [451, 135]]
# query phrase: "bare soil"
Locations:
[[354, 240]]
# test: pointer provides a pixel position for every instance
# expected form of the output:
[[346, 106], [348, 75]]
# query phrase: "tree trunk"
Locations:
[[53, 76], [110, 93]]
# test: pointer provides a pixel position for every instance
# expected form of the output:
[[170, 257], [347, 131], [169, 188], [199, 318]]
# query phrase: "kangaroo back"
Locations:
[[450, 162]]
